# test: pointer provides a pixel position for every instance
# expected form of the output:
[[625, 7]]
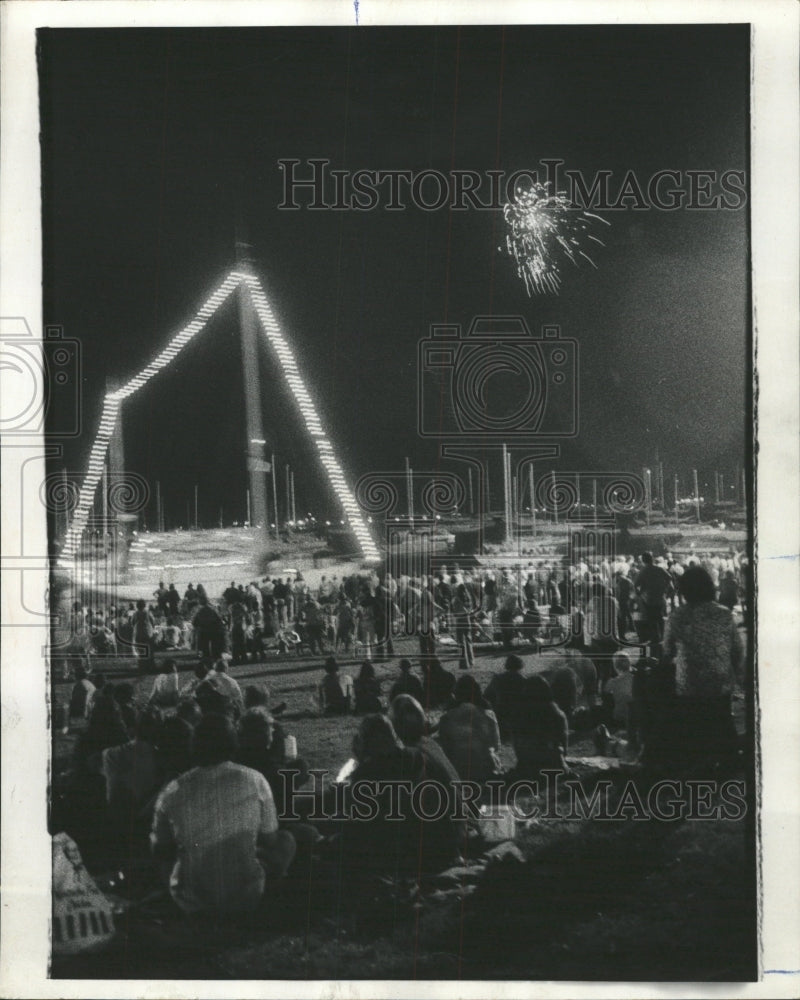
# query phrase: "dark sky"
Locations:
[[155, 141]]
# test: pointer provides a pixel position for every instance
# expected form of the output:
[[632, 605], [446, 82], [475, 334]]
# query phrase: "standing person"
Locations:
[[144, 632], [623, 588], [160, 595], [653, 586], [383, 610], [173, 600], [703, 643], [424, 622], [209, 629], [462, 608], [600, 631], [240, 622], [345, 624], [314, 624]]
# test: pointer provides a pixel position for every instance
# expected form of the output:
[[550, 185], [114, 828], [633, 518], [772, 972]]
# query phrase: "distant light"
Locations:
[[257, 441]]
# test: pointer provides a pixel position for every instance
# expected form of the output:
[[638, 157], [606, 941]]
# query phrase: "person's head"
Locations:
[[647, 558], [255, 730], [221, 665], [696, 586], [622, 663], [408, 718], [405, 666], [331, 666], [189, 710], [174, 744], [514, 663], [211, 700], [169, 667], [141, 605], [256, 695], [467, 690], [124, 693], [148, 725], [375, 738], [80, 673], [214, 740], [367, 672], [99, 680], [537, 691], [202, 668]]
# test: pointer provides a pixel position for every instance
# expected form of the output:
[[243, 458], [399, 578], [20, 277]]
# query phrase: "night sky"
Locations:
[[156, 141]]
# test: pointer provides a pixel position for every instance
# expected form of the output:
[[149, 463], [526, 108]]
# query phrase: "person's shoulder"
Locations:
[[173, 789]]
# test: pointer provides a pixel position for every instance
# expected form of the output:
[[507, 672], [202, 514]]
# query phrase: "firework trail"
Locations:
[[544, 228]]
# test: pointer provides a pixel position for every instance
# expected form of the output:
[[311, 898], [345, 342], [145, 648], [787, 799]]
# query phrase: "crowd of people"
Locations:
[[201, 779], [590, 605]]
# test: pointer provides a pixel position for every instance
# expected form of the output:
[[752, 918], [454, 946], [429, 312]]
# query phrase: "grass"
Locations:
[[592, 900]]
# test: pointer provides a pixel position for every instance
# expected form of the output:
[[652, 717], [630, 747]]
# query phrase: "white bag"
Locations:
[[83, 919]]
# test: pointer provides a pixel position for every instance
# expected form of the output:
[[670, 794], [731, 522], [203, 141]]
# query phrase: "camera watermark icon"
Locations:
[[41, 379], [497, 382], [410, 505]]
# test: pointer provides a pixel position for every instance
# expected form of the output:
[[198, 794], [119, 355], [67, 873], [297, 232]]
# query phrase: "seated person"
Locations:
[[228, 686], [442, 837], [262, 746], [437, 683], [503, 693], [218, 860], [407, 683], [81, 696], [367, 690], [335, 691], [540, 731], [131, 769], [125, 695], [469, 733], [376, 847], [202, 670], [165, 686]]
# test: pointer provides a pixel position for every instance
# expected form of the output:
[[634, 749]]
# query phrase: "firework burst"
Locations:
[[543, 229]]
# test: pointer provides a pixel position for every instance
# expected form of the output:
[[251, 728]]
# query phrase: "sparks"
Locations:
[[544, 228]]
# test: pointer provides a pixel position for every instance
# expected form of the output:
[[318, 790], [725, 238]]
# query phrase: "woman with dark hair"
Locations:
[[540, 731], [437, 683], [469, 733], [702, 645], [503, 693], [335, 690], [367, 690], [407, 683]]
